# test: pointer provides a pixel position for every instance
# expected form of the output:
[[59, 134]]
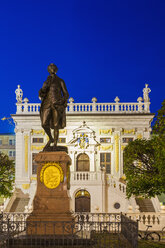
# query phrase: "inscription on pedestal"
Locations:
[[51, 175]]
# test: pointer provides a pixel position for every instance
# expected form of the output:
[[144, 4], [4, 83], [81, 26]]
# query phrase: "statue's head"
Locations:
[[52, 68]]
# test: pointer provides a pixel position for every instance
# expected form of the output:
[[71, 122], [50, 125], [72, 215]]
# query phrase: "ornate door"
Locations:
[[82, 201]]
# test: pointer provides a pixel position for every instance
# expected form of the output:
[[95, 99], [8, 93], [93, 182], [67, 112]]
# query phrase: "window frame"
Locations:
[[82, 162], [132, 139], [37, 142], [10, 155], [12, 141], [104, 142], [106, 164]]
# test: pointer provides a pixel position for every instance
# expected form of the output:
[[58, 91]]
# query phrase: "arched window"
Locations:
[[82, 201], [82, 163]]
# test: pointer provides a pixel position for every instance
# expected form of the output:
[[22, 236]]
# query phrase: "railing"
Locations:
[[88, 108], [79, 216], [28, 108], [105, 107], [129, 229], [85, 176], [156, 220], [97, 217], [4, 216], [120, 187], [82, 231]]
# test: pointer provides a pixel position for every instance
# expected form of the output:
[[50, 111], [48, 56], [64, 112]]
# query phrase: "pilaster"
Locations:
[[26, 158], [117, 153], [19, 154]]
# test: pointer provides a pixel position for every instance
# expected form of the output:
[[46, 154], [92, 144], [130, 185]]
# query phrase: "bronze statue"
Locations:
[[54, 96]]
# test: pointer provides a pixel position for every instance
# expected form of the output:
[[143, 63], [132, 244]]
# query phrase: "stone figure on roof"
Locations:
[[19, 94], [146, 92]]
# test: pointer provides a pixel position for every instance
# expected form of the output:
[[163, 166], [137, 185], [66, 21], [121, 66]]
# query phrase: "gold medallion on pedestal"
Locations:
[[51, 175]]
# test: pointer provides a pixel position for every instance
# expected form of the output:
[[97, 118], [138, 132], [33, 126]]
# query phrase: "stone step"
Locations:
[[19, 204], [145, 205]]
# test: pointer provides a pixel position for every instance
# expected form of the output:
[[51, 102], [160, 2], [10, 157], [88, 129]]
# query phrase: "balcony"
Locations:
[[86, 177]]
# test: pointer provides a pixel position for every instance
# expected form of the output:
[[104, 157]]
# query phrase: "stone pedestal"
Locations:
[[51, 205]]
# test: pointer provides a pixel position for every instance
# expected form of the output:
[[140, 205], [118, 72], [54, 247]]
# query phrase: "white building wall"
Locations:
[[103, 196], [106, 120]]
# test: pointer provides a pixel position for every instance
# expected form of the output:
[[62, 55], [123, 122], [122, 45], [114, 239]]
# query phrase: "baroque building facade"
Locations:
[[96, 135]]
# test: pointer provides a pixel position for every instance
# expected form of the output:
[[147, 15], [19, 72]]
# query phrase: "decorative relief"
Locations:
[[82, 192], [33, 131], [128, 131], [26, 186], [117, 152], [33, 178], [83, 141], [123, 147], [104, 131], [105, 148], [139, 136], [37, 147], [83, 137], [26, 138], [51, 175], [63, 131]]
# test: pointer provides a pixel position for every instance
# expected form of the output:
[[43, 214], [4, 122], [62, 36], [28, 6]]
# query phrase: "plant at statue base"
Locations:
[[7, 175], [144, 162]]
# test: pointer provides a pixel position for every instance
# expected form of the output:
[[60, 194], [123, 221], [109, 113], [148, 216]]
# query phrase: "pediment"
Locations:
[[83, 137]]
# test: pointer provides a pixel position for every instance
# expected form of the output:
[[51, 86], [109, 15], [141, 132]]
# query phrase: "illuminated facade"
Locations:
[[96, 135]]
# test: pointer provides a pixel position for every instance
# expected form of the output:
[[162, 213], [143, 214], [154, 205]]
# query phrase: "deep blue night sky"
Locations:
[[102, 48]]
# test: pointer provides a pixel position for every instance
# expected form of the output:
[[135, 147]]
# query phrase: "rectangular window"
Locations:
[[11, 142], [61, 140], [0, 142], [127, 140], [34, 164], [105, 162], [38, 140], [10, 153], [105, 140]]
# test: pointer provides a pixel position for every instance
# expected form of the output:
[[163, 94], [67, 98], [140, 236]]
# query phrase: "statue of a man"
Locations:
[[54, 96]]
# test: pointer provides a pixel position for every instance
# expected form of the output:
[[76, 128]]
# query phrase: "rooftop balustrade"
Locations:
[[141, 106], [117, 107]]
